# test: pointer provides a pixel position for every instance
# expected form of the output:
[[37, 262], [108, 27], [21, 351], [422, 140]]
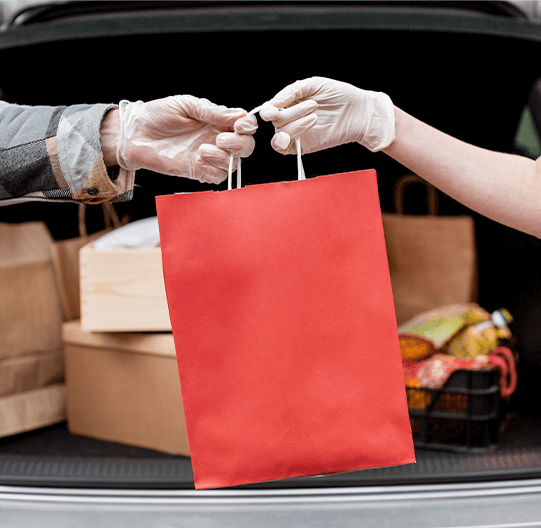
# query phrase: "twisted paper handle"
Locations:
[[300, 168]]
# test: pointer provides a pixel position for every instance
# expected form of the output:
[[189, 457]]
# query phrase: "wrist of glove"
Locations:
[[128, 115], [379, 130]]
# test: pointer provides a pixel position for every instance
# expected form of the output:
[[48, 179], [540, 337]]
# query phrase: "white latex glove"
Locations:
[[184, 136], [328, 113]]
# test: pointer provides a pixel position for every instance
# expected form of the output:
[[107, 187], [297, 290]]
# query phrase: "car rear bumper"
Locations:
[[498, 504]]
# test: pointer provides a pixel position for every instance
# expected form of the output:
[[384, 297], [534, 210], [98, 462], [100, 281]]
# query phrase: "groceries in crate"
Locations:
[[457, 369], [437, 343], [433, 372]]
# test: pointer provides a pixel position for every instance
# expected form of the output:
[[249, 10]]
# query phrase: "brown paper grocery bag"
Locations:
[[31, 371], [432, 258], [33, 409], [30, 313], [32, 394]]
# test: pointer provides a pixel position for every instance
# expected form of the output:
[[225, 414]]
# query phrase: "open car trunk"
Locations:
[[465, 68]]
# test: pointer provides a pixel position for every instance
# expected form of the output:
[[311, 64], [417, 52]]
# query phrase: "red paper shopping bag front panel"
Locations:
[[282, 312]]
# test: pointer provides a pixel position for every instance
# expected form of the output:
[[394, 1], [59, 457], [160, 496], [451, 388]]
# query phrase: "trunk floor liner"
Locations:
[[54, 457]]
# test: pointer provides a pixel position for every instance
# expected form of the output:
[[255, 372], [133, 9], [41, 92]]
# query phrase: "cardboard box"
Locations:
[[123, 290], [124, 387]]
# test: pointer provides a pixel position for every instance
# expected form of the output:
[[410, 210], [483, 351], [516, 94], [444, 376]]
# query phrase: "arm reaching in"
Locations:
[[327, 113], [73, 153], [503, 187]]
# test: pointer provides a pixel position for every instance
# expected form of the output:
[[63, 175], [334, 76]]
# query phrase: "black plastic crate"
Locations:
[[463, 415]]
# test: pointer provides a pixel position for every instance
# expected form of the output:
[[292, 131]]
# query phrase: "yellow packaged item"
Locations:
[[480, 334]]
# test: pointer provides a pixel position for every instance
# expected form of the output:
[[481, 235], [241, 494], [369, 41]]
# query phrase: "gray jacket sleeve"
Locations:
[[54, 153]]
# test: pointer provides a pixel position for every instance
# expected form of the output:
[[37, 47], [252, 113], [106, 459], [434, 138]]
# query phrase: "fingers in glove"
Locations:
[[283, 140], [283, 144], [237, 145], [298, 91], [283, 116], [246, 125], [209, 173], [208, 112], [214, 155], [298, 127], [215, 161], [269, 112]]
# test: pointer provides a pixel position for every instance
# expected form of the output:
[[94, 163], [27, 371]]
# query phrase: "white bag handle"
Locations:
[[300, 168]]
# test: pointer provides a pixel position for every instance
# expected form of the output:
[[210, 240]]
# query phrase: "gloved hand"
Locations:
[[328, 113], [184, 136]]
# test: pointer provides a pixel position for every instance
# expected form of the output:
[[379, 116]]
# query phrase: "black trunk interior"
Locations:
[[469, 75], [54, 457]]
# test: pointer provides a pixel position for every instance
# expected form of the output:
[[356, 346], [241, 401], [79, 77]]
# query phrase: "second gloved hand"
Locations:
[[326, 113], [183, 136]]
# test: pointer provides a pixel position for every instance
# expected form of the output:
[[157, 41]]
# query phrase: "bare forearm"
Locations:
[[504, 187]]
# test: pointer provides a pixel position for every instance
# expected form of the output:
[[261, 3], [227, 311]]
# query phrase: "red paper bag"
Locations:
[[284, 326]]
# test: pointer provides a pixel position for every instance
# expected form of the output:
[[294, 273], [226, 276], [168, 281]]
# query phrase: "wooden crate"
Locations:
[[123, 290]]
